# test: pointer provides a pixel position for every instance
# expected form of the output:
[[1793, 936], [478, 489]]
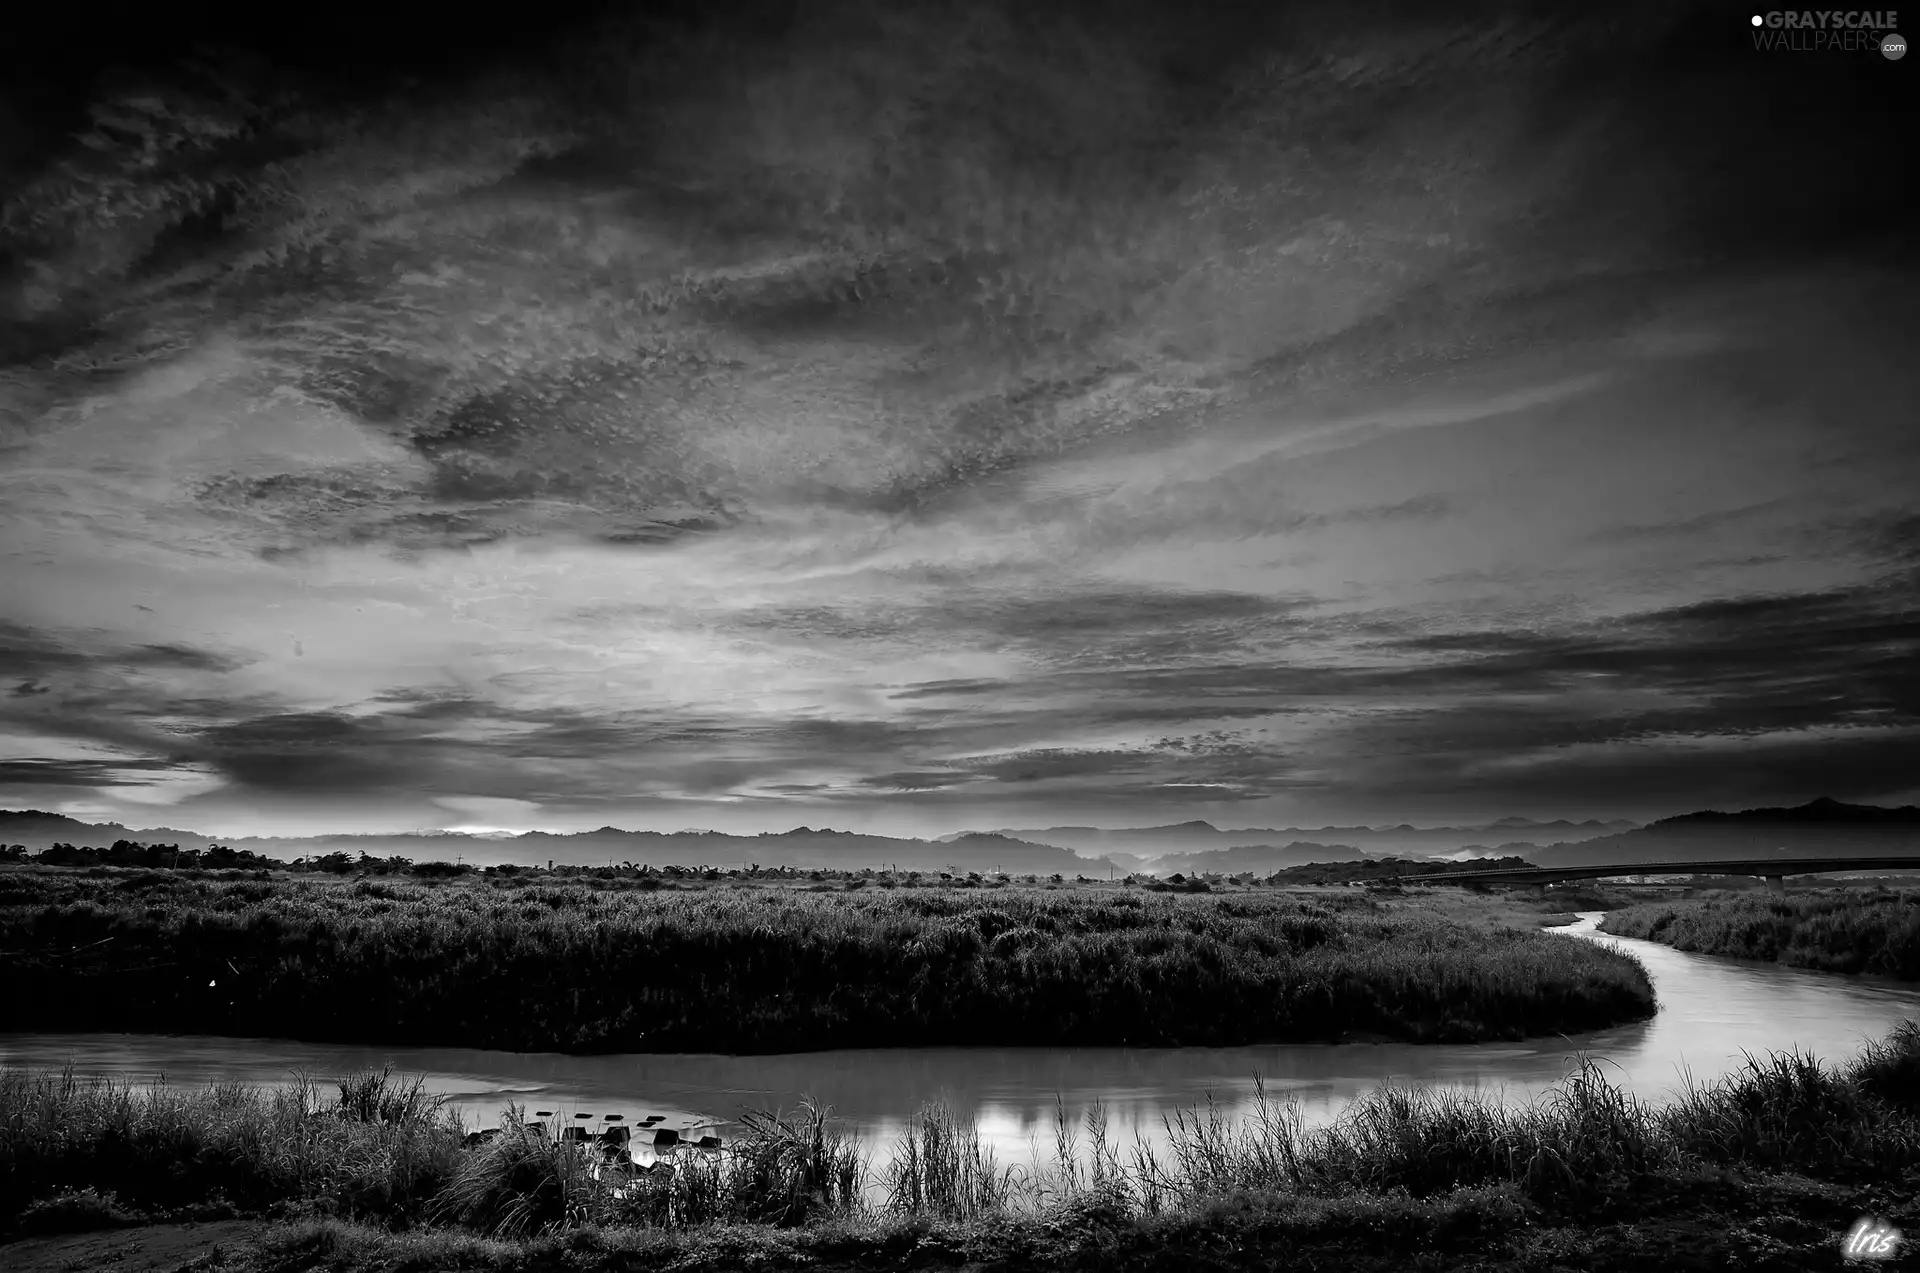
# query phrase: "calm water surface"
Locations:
[[1711, 1009]]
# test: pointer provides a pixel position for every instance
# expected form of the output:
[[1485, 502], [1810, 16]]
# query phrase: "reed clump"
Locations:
[[783, 1170], [228, 1146]]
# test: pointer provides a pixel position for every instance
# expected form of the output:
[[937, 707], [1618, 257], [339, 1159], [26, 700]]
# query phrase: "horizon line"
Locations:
[[504, 834]]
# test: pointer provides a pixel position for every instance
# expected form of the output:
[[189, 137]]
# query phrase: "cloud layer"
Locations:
[[918, 415]]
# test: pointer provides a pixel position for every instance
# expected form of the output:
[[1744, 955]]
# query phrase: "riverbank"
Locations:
[[1849, 930], [586, 968], [1767, 1168]]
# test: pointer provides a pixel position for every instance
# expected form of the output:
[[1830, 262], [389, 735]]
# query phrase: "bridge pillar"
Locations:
[[1776, 883]]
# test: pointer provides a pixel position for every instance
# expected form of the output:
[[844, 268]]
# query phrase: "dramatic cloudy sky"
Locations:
[[905, 416]]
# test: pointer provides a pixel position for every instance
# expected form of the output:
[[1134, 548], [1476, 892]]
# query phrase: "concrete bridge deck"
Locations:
[[1772, 869]]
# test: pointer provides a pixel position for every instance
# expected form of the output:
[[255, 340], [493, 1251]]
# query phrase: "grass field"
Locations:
[[591, 967], [1853, 930], [1762, 1169]]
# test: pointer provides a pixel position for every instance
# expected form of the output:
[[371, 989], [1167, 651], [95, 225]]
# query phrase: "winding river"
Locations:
[[1711, 1010]]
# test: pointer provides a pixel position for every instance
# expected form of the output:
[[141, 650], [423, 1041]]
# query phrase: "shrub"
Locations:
[[74, 1211]]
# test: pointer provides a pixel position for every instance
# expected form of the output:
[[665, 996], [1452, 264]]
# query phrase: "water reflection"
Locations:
[[1710, 1011]]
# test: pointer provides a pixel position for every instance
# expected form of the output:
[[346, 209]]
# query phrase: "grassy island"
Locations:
[[1851, 930], [614, 965]]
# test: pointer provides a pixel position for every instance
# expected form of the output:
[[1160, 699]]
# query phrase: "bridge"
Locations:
[[1773, 870]]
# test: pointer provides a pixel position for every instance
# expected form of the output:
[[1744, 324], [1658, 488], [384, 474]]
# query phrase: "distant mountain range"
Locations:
[[1146, 843], [806, 848], [1819, 828], [803, 848]]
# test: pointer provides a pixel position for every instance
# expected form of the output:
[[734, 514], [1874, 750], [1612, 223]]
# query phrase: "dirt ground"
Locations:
[[146, 1249]]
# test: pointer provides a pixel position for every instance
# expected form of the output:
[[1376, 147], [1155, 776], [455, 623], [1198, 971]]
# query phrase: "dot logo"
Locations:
[[1893, 47]]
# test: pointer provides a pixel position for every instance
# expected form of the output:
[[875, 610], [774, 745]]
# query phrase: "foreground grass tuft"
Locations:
[[161, 1149]]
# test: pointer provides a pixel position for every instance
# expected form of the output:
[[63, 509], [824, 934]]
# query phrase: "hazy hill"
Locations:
[[39, 830], [1819, 828], [803, 847], [1261, 859]]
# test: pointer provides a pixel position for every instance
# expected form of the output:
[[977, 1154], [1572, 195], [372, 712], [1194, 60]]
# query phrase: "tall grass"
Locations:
[[590, 970], [1889, 1069], [1584, 1140], [378, 1097], [1841, 930], [1586, 1144], [783, 1170], [523, 1182], [940, 1167], [162, 1148]]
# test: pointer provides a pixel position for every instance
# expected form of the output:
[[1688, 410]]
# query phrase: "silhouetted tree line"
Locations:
[[128, 853], [131, 853]]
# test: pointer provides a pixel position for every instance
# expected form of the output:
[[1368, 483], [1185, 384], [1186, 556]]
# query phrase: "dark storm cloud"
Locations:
[[80, 773], [1764, 668], [423, 750], [1706, 773], [28, 650], [1758, 662], [1662, 700], [1043, 763]]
